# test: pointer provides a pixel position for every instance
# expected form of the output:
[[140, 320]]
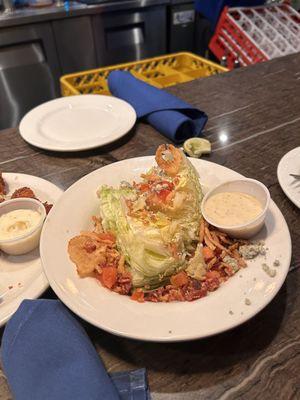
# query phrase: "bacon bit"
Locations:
[[212, 284], [23, 192], [179, 279], [28, 193], [138, 295], [121, 264], [212, 274], [47, 207]]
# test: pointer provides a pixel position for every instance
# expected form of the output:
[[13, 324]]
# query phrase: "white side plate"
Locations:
[[290, 164], [219, 311], [77, 123], [22, 277]]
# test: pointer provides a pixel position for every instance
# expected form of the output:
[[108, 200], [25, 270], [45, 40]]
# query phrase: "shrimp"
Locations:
[[169, 158]]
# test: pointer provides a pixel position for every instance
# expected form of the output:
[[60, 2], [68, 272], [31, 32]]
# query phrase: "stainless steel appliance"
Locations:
[[28, 68], [129, 35]]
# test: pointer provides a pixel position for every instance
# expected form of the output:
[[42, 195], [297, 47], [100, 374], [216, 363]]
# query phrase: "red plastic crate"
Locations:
[[256, 34]]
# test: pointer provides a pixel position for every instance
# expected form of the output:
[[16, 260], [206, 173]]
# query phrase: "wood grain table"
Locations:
[[254, 119]]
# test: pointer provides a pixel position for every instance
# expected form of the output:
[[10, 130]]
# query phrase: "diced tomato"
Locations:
[[179, 279], [109, 276], [163, 194], [208, 254], [144, 187], [138, 295]]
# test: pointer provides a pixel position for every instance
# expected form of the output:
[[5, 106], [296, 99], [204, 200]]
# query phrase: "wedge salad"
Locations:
[[150, 241]]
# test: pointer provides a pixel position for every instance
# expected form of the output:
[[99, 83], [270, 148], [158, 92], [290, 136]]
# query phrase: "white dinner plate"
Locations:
[[77, 123], [22, 277], [219, 311], [290, 164]]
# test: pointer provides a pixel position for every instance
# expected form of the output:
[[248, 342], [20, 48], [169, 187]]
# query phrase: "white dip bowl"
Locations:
[[247, 186], [28, 241]]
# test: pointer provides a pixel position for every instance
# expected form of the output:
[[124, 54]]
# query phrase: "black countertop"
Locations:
[[258, 109]]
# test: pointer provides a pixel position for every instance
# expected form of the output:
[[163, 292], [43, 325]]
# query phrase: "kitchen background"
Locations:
[[41, 41]]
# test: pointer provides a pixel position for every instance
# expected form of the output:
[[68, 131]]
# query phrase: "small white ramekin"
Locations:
[[247, 186], [24, 243]]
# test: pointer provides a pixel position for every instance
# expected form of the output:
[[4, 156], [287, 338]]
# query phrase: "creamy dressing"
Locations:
[[232, 208], [17, 223]]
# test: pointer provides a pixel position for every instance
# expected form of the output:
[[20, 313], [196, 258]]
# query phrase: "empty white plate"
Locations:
[[290, 164], [77, 123]]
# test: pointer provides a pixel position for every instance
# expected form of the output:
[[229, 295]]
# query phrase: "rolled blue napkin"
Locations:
[[171, 116], [46, 355]]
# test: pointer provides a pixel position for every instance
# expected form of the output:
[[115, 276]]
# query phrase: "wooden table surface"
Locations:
[[254, 119]]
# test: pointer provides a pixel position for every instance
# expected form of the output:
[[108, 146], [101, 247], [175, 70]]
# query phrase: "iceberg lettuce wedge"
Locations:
[[156, 222]]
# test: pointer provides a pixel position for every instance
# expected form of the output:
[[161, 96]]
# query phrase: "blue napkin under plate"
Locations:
[[171, 116], [47, 355]]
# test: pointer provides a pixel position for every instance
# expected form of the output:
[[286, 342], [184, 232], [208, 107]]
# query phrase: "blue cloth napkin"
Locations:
[[46, 355], [171, 116]]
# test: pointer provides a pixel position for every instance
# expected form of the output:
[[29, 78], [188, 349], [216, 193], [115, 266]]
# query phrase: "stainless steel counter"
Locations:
[[31, 15]]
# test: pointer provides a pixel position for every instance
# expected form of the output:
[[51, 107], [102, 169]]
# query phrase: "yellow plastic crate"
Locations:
[[161, 72]]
